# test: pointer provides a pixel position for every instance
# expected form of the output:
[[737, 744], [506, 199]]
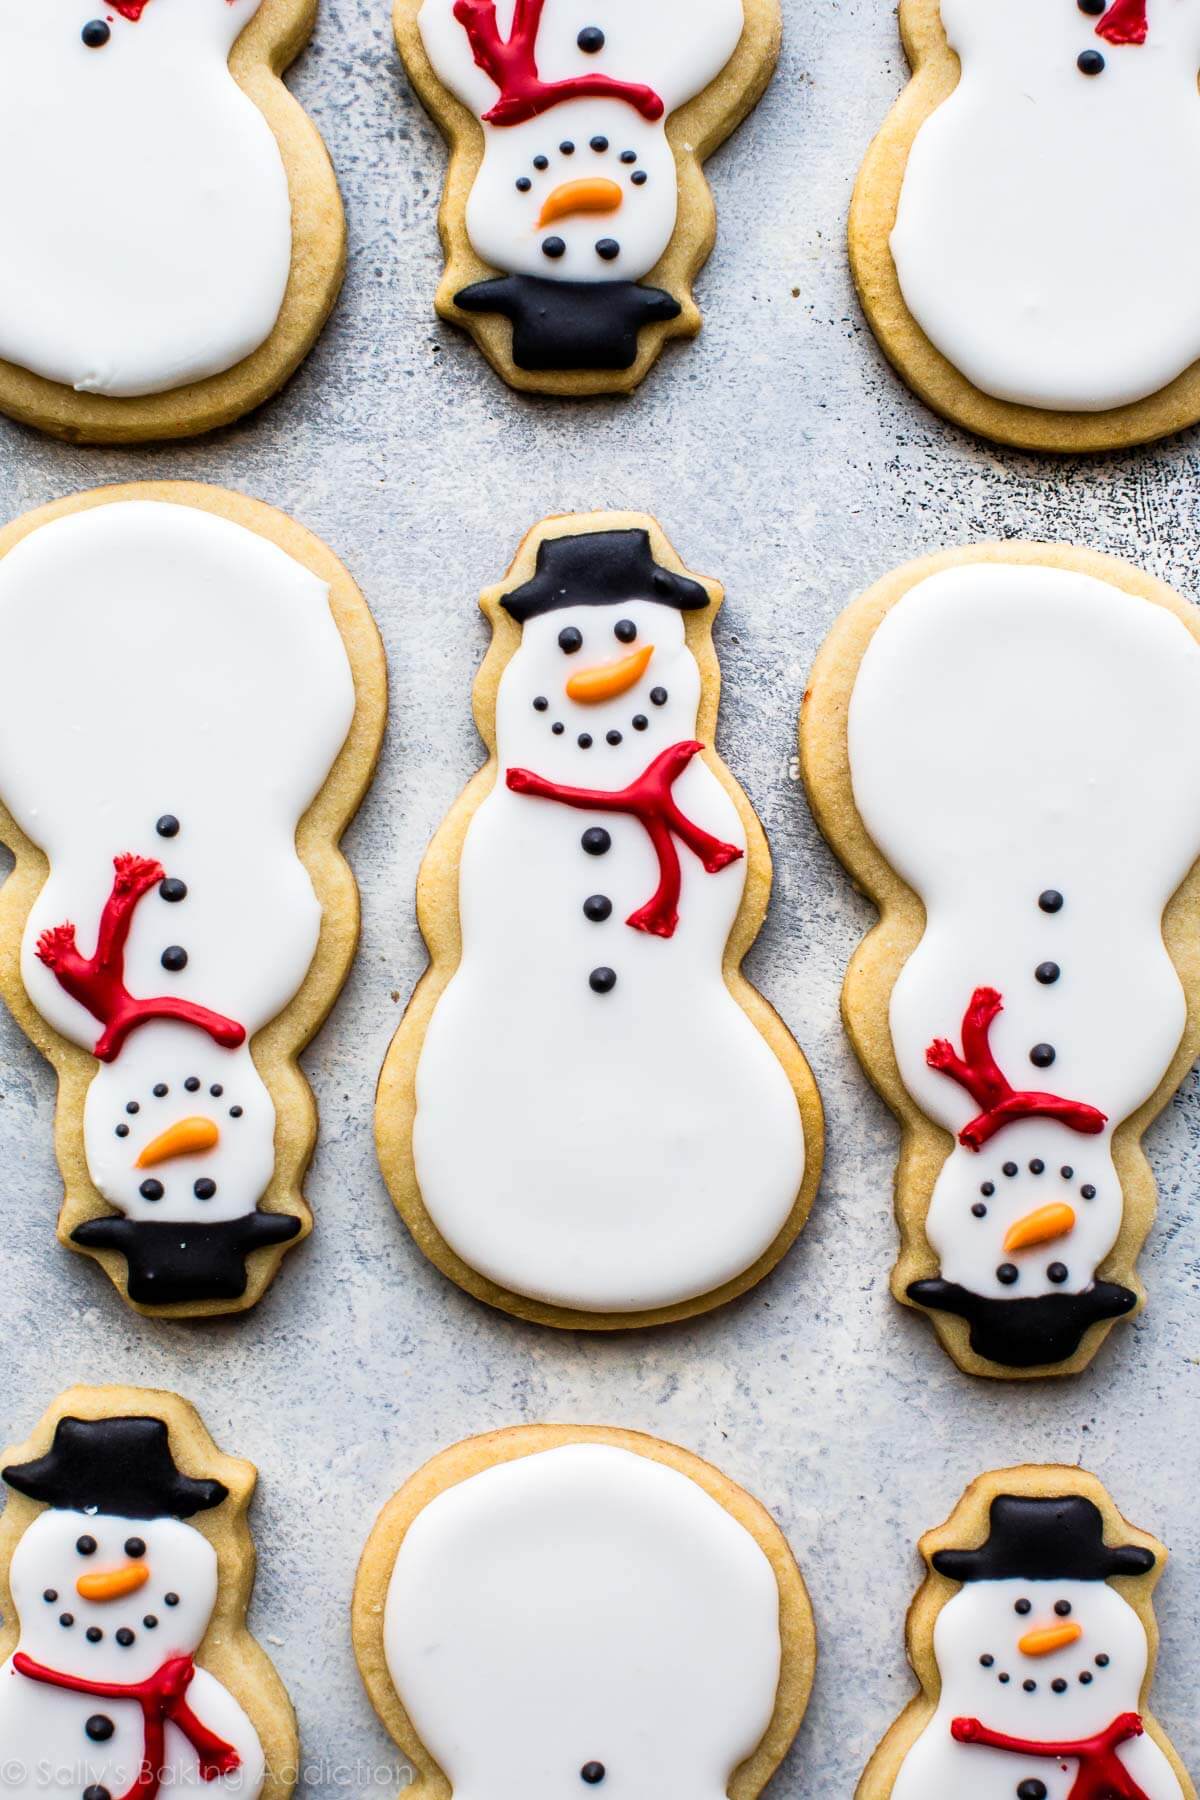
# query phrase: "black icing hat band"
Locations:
[[1044, 1539], [600, 568]]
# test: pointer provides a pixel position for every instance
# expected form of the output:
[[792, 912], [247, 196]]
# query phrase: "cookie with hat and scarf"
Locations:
[[1034, 1640], [588, 1116], [197, 695], [576, 215], [126, 1566], [1002, 745], [1020, 300]]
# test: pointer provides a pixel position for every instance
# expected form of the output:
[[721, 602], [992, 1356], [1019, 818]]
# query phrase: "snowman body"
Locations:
[[576, 195], [599, 1124], [180, 694], [1040, 239], [1068, 1694], [583, 1606], [59, 1742], [1024, 751], [167, 262]]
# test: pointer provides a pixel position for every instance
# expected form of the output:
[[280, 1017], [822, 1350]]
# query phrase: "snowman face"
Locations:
[[1034, 1212], [1040, 1659], [596, 692], [178, 1129], [66, 32], [110, 1597]]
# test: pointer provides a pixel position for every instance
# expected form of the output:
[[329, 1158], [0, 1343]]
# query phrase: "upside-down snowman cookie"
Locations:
[[1026, 281], [588, 1116], [173, 244], [1034, 1642], [125, 1571], [1003, 746], [576, 215], [195, 695], [555, 1609]]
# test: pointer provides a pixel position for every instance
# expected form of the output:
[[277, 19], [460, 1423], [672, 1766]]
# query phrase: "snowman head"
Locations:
[[1037, 1643], [604, 678], [583, 1617], [110, 1581], [578, 179]]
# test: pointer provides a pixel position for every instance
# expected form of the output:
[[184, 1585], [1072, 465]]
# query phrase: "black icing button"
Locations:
[[1089, 62], [99, 1728], [592, 1772], [590, 40], [173, 889], [96, 1792], [167, 826], [1042, 1055], [1050, 900], [174, 958], [602, 981], [596, 841], [95, 34], [1047, 973], [1093, 8], [1007, 1274], [597, 908], [1031, 1790]]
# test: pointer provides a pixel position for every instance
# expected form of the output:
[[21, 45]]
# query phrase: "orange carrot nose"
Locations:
[[187, 1137], [595, 195], [1049, 1639], [113, 1584], [1041, 1227], [607, 680]]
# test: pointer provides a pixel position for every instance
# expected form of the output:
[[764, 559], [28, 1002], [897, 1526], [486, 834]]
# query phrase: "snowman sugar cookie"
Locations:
[[588, 1116], [177, 242], [1034, 1642], [195, 698], [576, 216], [560, 1608], [126, 1564], [1026, 282], [1002, 744]]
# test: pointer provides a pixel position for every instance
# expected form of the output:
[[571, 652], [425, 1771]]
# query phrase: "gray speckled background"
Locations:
[[782, 455]]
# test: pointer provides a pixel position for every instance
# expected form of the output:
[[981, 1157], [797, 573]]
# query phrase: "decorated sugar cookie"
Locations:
[[175, 244], [1034, 1642], [1029, 284], [588, 1116], [126, 1567], [195, 698], [566, 1608], [576, 215], [1003, 746]]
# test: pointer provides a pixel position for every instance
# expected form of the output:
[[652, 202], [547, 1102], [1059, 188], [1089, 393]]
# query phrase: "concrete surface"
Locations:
[[782, 455]]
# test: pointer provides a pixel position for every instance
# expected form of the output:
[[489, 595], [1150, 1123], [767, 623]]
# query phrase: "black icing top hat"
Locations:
[[1035, 1539], [600, 568], [118, 1466]]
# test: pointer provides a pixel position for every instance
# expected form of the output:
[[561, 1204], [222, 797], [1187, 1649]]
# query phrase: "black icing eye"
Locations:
[[1023, 1607], [590, 40], [95, 34], [570, 639], [1063, 1608], [625, 631], [86, 1546], [592, 1772], [135, 1547]]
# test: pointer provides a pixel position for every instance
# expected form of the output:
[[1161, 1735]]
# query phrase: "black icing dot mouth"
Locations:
[[608, 249], [639, 178], [640, 722], [629, 156], [160, 1090], [151, 1189]]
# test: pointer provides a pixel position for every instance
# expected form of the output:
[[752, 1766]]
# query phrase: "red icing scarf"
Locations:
[[161, 1697], [649, 800], [977, 1071], [512, 64], [1124, 23], [1102, 1775]]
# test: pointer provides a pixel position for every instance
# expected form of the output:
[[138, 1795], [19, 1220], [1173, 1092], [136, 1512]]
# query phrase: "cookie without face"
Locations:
[[588, 1116], [1034, 1641], [1001, 745], [563, 1608], [575, 216], [180, 920]]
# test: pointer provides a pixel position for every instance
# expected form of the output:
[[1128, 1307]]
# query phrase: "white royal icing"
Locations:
[[675, 47], [1042, 240], [166, 661], [1016, 729], [143, 200], [980, 1621], [46, 1748], [610, 1152], [583, 1604]]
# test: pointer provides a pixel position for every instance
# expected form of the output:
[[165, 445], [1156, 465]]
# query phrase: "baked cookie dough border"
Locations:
[[228, 1650], [276, 1048], [694, 132], [967, 1527], [271, 41], [438, 917], [935, 75], [797, 1631], [879, 958]]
